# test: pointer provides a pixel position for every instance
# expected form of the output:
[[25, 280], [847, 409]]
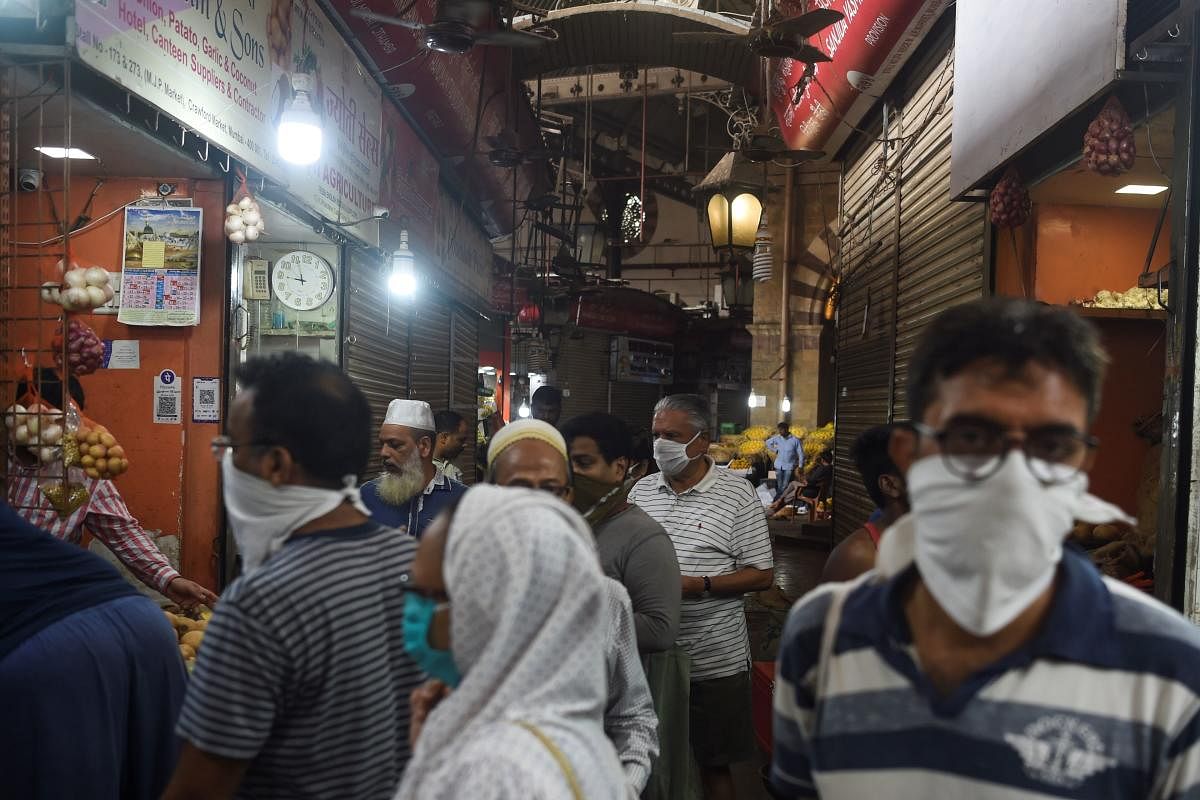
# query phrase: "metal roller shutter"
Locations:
[[865, 320], [581, 369], [634, 403], [464, 337], [929, 256], [431, 354], [375, 342]]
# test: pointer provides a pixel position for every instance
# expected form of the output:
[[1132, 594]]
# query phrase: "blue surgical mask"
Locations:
[[418, 617]]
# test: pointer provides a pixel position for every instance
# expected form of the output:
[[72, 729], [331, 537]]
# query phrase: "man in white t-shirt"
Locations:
[[719, 530]]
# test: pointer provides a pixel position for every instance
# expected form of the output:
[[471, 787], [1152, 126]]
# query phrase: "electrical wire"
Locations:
[[1150, 135], [424, 52], [99, 220]]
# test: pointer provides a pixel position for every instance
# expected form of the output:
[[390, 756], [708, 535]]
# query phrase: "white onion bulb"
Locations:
[[245, 203], [96, 297], [51, 434], [251, 233], [76, 278], [96, 276], [21, 435], [232, 208], [12, 415], [237, 237]]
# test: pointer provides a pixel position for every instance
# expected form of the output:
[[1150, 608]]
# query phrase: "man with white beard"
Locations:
[[411, 491]]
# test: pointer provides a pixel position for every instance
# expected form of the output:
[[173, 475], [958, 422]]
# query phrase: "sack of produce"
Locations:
[[1108, 146], [85, 351], [1009, 202]]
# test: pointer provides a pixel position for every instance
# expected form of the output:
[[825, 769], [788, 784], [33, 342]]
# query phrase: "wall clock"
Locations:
[[303, 281]]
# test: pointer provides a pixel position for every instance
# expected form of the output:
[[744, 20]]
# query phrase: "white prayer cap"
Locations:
[[411, 414]]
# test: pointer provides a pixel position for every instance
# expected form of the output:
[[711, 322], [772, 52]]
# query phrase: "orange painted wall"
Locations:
[[1070, 253], [172, 484]]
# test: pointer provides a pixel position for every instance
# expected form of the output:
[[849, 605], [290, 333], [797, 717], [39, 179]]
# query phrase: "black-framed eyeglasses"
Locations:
[[221, 444], [974, 449], [406, 585]]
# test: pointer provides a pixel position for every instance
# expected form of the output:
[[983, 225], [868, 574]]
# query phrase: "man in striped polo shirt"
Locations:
[[981, 658], [719, 530], [302, 684]]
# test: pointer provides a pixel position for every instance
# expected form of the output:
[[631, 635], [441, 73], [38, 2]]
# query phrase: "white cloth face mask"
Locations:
[[263, 516], [672, 457], [987, 549]]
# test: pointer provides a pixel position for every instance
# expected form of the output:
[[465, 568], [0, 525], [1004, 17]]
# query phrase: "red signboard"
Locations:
[[626, 311], [447, 98], [409, 184], [868, 48]]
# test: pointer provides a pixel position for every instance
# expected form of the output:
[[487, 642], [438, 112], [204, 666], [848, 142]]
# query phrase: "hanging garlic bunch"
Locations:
[[762, 252], [244, 221]]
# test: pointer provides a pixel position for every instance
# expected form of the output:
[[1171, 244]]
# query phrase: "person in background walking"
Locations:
[[546, 404], [716, 522], [302, 686], [91, 680], [531, 454], [789, 456], [855, 554], [982, 658], [411, 491], [104, 513], [451, 436], [506, 603]]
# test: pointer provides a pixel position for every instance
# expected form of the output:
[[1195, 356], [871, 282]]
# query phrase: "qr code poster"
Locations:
[[206, 399], [167, 395]]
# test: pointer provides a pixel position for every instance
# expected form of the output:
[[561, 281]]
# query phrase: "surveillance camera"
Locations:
[[382, 212], [30, 180]]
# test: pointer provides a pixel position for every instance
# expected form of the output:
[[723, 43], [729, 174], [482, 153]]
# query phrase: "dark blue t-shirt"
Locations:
[[415, 515]]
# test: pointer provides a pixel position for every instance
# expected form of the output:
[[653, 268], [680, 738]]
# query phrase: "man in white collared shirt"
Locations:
[[717, 524]]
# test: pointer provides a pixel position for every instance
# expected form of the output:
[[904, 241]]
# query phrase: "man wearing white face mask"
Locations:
[[717, 524], [302, 686], [981, 658]]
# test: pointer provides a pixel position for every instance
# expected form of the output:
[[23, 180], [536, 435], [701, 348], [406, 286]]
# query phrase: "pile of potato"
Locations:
[[189, 627], [101, 457]]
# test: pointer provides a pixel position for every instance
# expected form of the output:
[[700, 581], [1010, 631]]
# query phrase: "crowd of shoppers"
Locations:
[[576, 629]]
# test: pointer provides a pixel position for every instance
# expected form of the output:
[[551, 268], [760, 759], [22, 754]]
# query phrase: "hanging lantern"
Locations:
[[529, 314], [762, 252], [730, 197]]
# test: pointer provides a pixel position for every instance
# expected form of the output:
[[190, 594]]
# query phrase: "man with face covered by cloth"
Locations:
[[411, 491]]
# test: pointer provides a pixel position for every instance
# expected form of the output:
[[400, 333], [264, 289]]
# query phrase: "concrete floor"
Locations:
[[798, 563]]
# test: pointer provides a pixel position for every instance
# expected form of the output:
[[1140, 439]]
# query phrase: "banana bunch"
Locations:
[[752, 447], [739, 463], [799, 431], [816, 442], [757, 433]]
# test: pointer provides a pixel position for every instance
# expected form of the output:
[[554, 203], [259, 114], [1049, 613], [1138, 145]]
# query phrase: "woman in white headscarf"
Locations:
[[522, 613]]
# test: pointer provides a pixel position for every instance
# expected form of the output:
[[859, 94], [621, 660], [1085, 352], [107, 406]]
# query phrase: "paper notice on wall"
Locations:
[[122, 354], [167, 395], [206, 399]]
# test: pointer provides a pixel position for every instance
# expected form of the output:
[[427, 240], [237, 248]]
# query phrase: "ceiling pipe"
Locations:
[[785, 276]]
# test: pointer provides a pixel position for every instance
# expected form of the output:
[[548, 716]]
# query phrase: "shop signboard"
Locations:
[[462, 249], [868, 49], [222, 69], [1060, 64], [408, 184], [626, 311]]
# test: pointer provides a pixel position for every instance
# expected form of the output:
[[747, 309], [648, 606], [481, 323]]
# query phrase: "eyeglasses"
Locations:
[[406, 585], [221, 444], [974, 449]]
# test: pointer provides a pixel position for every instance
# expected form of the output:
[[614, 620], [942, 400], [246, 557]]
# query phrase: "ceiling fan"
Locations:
[[457, 27], [778, 37]]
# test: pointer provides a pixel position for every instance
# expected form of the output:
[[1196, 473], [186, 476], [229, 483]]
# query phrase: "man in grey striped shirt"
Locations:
[[301, 688], [719, 529]]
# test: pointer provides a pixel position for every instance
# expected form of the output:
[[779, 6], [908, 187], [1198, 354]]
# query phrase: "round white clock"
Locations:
[[303, 281]]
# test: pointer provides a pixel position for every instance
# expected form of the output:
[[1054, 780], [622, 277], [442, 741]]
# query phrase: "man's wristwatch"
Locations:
[[707, 585]]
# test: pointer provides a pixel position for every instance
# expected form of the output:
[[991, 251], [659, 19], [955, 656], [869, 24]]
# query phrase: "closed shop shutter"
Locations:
[[375, 342], [581, 368], [928, 255], [464, 336], [431, 353], [941, 242], [634, 403], [866, 314]]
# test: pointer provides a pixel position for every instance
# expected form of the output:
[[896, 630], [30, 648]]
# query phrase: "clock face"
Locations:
[[302, 281]]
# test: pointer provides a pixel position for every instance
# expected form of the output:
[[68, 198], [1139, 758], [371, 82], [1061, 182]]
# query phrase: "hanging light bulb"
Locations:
[[299, 137], [762, 252], [523, 412], [785, 405], [403, 280]]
